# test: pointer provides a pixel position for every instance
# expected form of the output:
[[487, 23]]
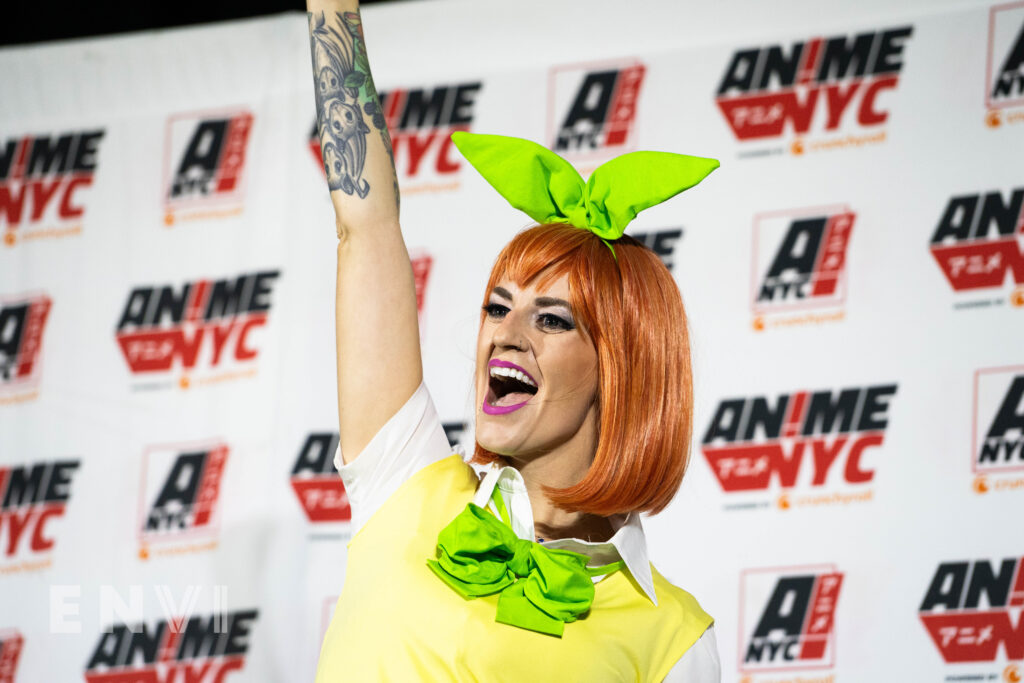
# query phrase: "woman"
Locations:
[[538, 570]]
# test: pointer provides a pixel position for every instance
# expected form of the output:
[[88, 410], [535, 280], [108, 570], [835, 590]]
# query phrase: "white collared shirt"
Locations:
[[413, 439], [627, 542]]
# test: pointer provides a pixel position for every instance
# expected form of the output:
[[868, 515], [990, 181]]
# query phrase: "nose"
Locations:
[[510, 333]]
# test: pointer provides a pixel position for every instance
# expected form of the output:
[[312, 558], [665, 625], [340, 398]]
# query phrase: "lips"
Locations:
[[510, 387]]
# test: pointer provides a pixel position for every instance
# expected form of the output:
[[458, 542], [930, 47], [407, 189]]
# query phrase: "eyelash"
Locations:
[[547, 321]]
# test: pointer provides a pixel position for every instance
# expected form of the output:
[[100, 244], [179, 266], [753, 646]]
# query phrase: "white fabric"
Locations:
[[700, 663], [413, 438]]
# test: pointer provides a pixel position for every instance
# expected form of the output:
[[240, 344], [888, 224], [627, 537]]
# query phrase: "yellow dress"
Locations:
[[396, 621]]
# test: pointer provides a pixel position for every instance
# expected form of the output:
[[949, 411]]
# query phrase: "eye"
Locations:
[[551, 322], [495, 311], [348, 116]]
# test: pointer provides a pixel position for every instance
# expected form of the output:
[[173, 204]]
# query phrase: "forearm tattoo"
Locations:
[[344, 91]]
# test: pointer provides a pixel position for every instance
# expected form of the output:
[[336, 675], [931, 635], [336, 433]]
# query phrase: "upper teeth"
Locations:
[[498, 371]]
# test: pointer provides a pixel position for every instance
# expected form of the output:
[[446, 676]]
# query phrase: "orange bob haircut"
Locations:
[[632, 309]]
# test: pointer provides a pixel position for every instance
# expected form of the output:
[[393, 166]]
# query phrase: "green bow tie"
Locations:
[[541, 588], [548, 189]]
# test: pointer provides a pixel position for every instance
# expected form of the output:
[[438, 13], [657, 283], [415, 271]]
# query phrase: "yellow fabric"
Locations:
[[395, 621]]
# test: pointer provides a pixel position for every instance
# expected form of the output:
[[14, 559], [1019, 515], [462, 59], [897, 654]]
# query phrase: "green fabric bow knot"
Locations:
[[548, 189], [541, 588]]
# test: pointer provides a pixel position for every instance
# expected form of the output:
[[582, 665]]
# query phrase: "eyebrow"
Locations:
[[540, 301], [543, 301]]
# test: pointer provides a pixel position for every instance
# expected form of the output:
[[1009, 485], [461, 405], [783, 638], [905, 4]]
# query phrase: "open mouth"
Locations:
[[508, 385]]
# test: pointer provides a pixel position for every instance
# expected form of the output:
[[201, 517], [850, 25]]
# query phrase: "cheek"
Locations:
[[576, 369]]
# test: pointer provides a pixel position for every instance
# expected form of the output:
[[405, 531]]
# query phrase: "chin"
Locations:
[[499, 439], [487, 436]]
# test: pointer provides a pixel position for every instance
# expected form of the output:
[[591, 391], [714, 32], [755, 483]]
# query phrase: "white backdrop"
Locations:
[[166, 358]]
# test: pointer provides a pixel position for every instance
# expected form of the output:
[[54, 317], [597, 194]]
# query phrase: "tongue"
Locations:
[[512, 399]]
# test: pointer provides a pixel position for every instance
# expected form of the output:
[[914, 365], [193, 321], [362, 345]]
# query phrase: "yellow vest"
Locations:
[[396, 621]]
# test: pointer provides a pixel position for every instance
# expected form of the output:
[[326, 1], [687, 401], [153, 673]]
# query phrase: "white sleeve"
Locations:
[[700, 663], [412, 439]]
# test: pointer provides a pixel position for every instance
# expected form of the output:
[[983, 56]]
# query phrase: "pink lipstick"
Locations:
[[513, 371]]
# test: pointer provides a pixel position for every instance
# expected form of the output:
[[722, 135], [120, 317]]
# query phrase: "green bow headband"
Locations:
[[548, 189]]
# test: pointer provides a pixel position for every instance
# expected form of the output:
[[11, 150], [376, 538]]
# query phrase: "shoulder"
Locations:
[[699, 663], [695, 632], [449, 480], [682, 603], [410, 441], [422, 505]]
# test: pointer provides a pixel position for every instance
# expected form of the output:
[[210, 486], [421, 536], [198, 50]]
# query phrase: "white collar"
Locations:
[[627, 543]]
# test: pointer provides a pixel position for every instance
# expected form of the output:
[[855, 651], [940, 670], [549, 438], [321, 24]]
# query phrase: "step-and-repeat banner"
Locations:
[[854, 276]]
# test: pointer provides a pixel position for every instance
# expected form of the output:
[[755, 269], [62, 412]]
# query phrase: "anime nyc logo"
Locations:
[[979, 246], [1004, 70], [815, 445], [44, 184], [11, 644], [22, 323], [317, 484], [591, 108], [204, 164], [199, 649], [420, 122], [205, 325], [799, 264], [662, 242], [997, 446], [836, 87], [973, 610], [32, 497], [787, 618], [180, 498]]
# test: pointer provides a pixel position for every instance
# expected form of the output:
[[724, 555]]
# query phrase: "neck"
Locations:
[[560, 468]]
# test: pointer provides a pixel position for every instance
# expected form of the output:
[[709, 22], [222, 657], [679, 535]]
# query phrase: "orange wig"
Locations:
[[632, 309]]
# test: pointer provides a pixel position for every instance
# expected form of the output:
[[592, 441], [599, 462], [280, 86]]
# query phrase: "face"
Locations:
[[333, 164], [328, 84], [536, 373], [343, 120]]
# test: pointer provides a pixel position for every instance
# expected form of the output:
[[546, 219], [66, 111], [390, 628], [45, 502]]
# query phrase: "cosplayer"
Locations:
[[535, 567]]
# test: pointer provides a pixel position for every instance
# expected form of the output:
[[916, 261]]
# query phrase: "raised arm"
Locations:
[[378, 345]]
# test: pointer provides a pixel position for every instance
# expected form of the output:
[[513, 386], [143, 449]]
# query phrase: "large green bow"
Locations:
[[548, 189], [541, 588]]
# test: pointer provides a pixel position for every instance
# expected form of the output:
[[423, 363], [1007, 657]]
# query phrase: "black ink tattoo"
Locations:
[[344, 91]]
